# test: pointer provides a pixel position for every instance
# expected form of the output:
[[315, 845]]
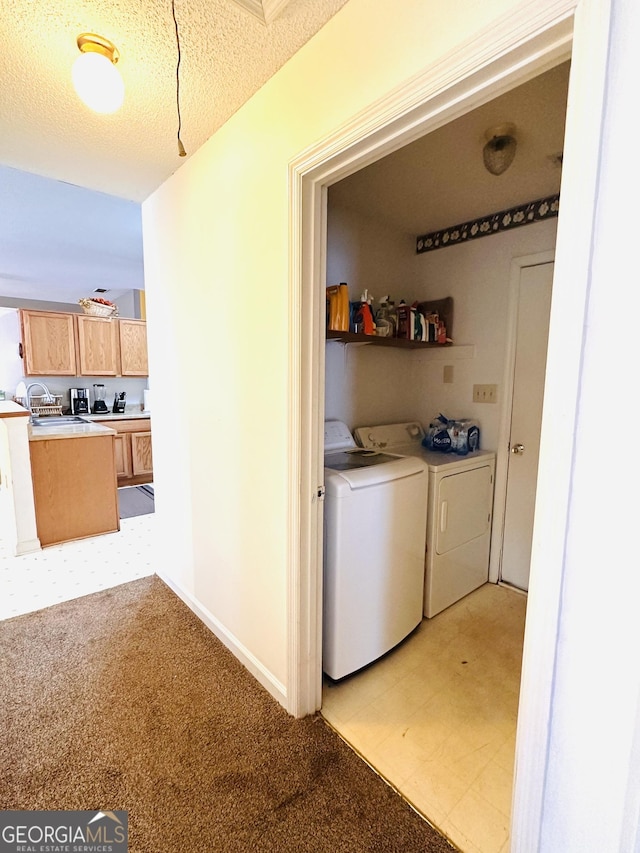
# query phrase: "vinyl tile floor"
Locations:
[[437, 716], [63, 572]]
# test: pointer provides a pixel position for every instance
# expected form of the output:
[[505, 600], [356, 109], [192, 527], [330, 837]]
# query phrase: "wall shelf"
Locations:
[[442, 307], [436, 351], [376, 340]]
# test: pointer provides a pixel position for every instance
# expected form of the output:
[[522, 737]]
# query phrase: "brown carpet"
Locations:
[[124, 700]]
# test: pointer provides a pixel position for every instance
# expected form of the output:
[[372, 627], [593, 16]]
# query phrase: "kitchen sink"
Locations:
[[57, 420]]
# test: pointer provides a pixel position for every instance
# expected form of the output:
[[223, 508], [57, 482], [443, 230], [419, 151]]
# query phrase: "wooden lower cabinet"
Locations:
[[141, 457], [122, 447], [74, 487], [132, 451]]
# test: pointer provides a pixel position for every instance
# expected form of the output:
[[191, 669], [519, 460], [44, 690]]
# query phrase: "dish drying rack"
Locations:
[[46, 404]]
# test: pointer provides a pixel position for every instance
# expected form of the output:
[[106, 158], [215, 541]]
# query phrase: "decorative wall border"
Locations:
[[493, 223]]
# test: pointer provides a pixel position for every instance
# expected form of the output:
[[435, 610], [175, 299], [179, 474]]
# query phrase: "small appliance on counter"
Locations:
[[79, 401], [119, 402], [99, 406]]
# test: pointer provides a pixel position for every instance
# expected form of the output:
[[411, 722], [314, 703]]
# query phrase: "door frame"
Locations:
[[523, 44], [504, 430]]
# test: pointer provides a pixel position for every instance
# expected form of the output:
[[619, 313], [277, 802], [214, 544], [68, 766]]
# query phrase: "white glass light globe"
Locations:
[[98, 82]]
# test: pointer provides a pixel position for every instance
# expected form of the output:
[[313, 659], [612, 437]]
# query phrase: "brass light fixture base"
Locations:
[[92, 43]]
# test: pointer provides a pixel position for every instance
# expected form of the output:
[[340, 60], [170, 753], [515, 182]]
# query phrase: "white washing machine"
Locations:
[[459, 512], [374, 540]]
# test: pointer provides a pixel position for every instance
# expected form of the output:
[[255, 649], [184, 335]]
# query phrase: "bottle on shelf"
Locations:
[[363, 322], [338, 307], [405, 321], [384, 326], [393, 318]]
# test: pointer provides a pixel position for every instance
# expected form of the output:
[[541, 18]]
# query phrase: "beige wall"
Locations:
[[216, 265], [216, 256], [372, 385]]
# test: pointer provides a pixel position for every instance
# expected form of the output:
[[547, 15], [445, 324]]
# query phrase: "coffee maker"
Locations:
[[79, 401], [99, 406]]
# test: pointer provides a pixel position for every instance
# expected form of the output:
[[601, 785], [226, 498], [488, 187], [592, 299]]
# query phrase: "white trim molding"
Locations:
[[264, 10], [529, 40], [524, 44], [19, 528], [275, 687]]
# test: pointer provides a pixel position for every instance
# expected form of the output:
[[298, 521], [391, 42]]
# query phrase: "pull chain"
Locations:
[[181, 150]]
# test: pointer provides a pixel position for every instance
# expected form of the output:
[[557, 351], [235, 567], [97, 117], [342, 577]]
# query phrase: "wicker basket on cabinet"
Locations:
[[98, 309]]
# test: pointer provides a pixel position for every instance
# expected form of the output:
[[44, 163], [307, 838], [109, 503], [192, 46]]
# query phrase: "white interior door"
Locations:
[[534, 304]]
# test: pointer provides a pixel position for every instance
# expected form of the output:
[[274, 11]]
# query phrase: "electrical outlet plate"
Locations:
[[485, 393]]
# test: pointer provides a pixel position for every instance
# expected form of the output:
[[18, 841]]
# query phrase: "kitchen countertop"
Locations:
[[68, 431], [9, 409], [127, 416]]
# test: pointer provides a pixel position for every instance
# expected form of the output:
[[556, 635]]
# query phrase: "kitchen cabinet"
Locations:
[[133, 347], [122, 451], [132, 450], [48, 343], [141, 455], [61, 344], [74, 487], [97, 346]]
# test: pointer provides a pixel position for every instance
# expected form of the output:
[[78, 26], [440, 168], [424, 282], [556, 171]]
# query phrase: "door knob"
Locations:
[[518, 449]]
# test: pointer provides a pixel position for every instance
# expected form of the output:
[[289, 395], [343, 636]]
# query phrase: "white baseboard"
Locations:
[[259, 672], [27, 546]]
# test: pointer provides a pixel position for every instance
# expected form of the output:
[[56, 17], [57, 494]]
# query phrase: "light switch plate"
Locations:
[[485, 393]]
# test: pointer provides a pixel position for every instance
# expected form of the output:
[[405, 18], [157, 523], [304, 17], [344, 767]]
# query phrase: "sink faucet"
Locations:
[[47, 394]]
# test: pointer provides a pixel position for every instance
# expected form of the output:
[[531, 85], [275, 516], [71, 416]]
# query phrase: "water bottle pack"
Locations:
[[452, 435]]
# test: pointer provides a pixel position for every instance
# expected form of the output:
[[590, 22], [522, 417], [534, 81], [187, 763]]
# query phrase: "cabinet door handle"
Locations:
[[20, 350], [518, 449]]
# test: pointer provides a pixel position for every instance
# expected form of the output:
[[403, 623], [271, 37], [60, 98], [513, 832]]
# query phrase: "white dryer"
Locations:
[[374, 540], [459, 512]]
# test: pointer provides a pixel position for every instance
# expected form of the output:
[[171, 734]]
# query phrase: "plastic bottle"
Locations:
[[439, 435], [384, 326], [364, 322], [404, 321], [338, 314], [393, 318]]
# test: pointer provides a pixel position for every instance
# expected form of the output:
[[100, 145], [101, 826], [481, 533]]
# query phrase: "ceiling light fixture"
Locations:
[[95, 76], [500, 149]]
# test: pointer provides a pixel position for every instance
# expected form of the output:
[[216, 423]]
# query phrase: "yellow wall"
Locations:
[[216, 268]]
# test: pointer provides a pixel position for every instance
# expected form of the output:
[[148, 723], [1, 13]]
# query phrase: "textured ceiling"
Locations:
[[228, 53], [87, 239], [440, 180]]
